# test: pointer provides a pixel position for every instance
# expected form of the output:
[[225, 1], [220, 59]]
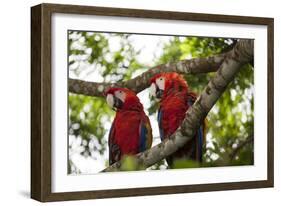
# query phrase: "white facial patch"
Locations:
[[161, 83], [120, 95], [110, 100], [152, 90]]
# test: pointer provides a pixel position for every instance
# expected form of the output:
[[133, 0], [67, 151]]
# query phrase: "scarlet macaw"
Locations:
[[131, 131], [176, 98]]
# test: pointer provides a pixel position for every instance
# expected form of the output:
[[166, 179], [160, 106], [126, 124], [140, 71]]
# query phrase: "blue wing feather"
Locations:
[[159, 119], [200, 142], [145, 133], [143, 137]]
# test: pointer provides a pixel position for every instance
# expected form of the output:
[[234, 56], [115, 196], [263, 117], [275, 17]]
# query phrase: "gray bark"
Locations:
[[241, 54]]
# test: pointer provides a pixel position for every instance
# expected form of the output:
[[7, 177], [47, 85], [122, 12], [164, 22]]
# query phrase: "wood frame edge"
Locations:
[[40, 147]]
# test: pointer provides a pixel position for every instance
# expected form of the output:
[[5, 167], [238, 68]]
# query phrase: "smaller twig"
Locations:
[[249, 140]]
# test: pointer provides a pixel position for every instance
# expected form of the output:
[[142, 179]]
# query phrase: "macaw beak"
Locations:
[[159, 92], [156, 91], [114, 102], [117, 103]]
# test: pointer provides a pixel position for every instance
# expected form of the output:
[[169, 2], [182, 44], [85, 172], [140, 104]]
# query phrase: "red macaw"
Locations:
[[176, 98], [131, 131]]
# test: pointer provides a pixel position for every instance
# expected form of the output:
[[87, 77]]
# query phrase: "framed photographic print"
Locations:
[[130, 102]]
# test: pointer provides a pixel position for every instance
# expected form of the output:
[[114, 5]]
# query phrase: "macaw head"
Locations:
[[166, 82], [122, 99]]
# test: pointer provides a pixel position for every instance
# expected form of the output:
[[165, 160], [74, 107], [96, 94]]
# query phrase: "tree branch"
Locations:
[[249, 140], [241, 54], [139, 83]]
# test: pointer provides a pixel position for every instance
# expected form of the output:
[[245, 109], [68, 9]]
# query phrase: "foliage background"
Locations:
[[111, 57]]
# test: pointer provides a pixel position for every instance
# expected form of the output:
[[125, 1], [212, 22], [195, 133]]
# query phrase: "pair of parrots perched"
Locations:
[[131, 131]]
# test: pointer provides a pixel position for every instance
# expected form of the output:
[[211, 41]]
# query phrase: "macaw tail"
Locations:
[[201, 140]]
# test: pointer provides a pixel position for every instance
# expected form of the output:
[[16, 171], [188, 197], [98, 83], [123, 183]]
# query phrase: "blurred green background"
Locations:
[[113, 57]]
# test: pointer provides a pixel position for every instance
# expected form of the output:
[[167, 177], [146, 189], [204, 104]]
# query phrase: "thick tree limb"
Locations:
[[192, 66], [241, 54]]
